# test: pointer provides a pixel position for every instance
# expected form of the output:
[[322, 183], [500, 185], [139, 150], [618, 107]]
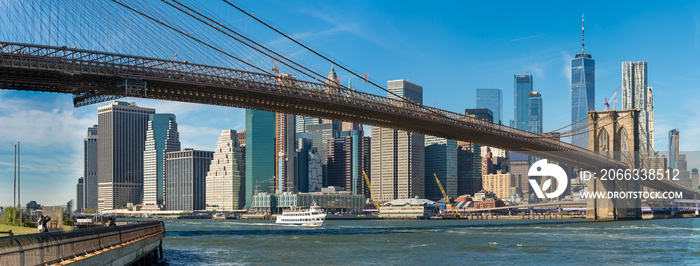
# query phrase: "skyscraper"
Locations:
[[481, 113], [491, 99], [523, 87], [241, 137], [441, 160], [535, 119], [225, 179], [286, 153], [634, 96], [122, 130], [185, 179], [348, 157], [303, 121], [398, 157], [582, 93], [161, 137], [650, 110], [468, 168], [320, 133], [673, 141], [504, 185], [315, 171], [519, 164], [90, 168], [260, 151], [304, 145], [79, 196], [683, 173]]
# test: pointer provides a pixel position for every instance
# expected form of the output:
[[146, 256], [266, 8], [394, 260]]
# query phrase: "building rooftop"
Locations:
[[409, 202]]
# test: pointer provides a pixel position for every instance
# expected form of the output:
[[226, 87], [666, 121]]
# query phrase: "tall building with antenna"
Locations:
[[582, 93]]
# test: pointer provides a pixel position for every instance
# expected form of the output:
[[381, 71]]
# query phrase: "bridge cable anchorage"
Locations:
[[191, 37], [332, 61]]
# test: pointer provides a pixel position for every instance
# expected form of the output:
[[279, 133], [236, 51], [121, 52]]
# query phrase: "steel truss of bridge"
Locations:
[[93, 76]]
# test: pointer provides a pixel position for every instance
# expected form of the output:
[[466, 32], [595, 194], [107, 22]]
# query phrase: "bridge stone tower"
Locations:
[[615, 134]]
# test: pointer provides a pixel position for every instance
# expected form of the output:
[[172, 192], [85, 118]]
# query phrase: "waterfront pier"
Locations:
[[112, 245]]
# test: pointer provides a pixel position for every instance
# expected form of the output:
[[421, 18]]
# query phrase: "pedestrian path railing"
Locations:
[[55, 247]]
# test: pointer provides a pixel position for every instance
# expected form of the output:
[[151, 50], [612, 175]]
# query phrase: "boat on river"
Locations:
[[312, 216]]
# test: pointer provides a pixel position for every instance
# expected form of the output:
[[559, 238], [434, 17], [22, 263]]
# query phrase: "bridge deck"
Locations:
[[94, 76]]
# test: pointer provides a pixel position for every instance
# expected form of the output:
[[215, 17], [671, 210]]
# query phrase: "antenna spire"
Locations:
[[582, 45]]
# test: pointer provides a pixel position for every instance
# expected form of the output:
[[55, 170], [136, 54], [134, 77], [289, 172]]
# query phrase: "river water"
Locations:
[[216, 242]]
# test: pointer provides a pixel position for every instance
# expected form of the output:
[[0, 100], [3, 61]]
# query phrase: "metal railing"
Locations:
[[50, 248]]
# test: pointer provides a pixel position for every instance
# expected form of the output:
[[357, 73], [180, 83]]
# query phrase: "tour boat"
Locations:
[[313, 216]]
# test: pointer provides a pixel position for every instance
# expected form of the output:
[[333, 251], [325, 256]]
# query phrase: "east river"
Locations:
[[436, 242]]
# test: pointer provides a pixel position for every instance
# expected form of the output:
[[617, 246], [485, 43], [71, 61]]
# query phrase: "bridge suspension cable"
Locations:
[[279, 57], [552, 131], [191, 37], [316, 53]]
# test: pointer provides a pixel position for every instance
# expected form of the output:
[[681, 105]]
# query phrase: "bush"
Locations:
[[90, 210], [548, 213], [522, 214], [28, 223], [67, 220], [563, 213], [8, 219]]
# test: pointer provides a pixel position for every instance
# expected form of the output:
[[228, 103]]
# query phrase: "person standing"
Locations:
[[41, 224]]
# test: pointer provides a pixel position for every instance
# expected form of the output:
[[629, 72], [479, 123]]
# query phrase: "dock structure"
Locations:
[[112, 245]]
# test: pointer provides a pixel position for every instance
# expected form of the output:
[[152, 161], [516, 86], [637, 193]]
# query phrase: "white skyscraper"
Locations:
[[225, 182], [161, 137]]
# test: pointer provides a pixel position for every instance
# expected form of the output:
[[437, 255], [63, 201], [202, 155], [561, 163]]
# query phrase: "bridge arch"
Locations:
[[624, 145], [603, 141]]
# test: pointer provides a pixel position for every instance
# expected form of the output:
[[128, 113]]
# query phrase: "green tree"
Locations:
[[90, 210], [67, 220], [8, 217]]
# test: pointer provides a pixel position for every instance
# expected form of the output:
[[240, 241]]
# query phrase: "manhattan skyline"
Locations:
[[480, 55]]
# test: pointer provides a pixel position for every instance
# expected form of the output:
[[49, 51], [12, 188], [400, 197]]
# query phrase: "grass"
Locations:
[[18, 230]]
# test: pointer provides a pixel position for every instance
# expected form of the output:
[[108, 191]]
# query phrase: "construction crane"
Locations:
[[612, 99], [371, 193], [447, 200]]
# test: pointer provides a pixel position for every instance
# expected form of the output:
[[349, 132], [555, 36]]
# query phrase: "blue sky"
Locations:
[[449, 48]]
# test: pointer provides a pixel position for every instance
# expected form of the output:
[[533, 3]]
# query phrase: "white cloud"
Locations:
[[566, 64], [51, 135], [352, 27], [51, 132], [527, 37], [23, 121]]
